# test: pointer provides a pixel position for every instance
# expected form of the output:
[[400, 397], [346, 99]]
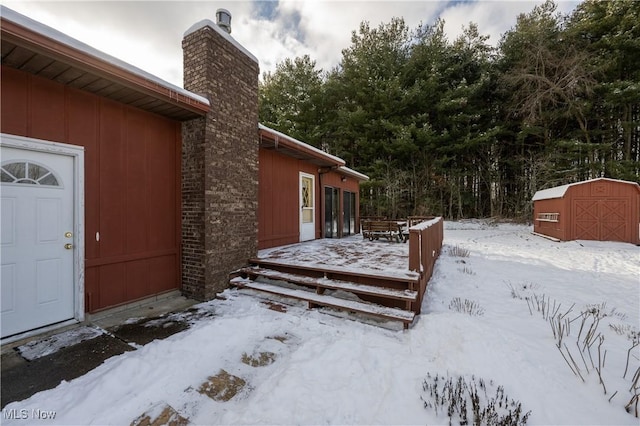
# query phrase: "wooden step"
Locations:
[[331, 284], [400, 280], [400, 276], [406, 317]]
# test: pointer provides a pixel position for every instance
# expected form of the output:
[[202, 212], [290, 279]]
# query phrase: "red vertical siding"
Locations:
[[163, 185], [160, 273], [112, 180], [85, 133], [13, 104], [553, 229], [278, 199], [132, 178], [46, 110], [134, 184], [334, 179], [111, 286], [136, 271]]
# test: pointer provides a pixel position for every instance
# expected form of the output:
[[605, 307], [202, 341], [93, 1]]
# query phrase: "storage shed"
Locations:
[[598, 209]]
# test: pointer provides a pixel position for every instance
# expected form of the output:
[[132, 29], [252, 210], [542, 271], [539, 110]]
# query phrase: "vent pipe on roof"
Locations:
[[223, 19]]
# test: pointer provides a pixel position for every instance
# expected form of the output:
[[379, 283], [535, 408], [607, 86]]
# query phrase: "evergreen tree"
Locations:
[[290, 99], [461, 129], [609, 33]]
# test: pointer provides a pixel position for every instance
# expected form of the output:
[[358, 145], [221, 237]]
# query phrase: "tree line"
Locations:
[[463, 129]]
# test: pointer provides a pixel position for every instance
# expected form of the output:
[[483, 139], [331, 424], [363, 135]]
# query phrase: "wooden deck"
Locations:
[[350, 274]]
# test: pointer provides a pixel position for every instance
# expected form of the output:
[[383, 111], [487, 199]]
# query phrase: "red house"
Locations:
[[598, 209], [117, 186]]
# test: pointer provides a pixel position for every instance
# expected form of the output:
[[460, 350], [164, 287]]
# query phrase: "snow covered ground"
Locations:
[[328, 370]]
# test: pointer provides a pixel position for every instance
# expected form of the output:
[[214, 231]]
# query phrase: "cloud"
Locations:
[[492, 21], [494, 18], [328, 25], [148, 34]]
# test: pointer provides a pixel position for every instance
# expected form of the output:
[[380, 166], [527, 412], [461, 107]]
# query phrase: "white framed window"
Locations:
[[548, 217]]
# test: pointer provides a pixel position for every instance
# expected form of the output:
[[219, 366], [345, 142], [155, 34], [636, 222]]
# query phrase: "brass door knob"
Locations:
[[68, 246]]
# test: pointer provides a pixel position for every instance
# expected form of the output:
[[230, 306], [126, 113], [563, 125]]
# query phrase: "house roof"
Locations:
[[354, 174], [560, 191], [274, 140], [33, 47]]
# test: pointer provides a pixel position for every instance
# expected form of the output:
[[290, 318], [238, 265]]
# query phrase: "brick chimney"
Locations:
[[219, 160]]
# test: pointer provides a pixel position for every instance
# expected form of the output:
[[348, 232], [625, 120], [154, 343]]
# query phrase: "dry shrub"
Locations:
[[466, 402], [466, 306], [457, 251], [466, 270]]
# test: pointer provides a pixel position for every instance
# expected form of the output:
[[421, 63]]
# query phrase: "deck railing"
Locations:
[[425, 244]]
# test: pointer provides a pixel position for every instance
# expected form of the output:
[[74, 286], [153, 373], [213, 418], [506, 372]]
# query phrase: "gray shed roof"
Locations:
[[560, 191]]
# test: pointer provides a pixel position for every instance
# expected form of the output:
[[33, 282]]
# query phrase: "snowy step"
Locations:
[[395, 314], [333, 270], [332, 284]]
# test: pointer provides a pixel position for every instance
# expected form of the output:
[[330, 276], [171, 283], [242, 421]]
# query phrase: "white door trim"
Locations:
[[308, 230], [77, 154]]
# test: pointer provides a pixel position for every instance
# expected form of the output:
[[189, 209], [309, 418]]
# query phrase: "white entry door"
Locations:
[[307, 207], [37, 239]]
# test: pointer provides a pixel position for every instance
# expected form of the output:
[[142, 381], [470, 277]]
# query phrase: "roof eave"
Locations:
[[42, 44], [310, 153], [353, 173]]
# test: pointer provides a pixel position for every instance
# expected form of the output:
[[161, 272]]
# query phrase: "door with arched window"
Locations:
[[38, 240]]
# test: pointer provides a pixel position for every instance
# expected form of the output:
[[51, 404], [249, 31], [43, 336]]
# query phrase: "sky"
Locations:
[[482, 319], [148, 34]]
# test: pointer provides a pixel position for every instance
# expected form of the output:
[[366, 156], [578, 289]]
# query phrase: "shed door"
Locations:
[[307, 207], [601, 220], [37, 240]]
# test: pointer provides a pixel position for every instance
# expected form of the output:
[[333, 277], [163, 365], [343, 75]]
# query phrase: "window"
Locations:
[[26, 172], [331, 211], [349, 213], [307, 199], [548, 217]]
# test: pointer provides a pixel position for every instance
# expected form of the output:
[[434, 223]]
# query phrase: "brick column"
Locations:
[[219, 161]]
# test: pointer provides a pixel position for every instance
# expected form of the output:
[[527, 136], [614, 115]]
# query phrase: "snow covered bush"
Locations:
[[466, 402]]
